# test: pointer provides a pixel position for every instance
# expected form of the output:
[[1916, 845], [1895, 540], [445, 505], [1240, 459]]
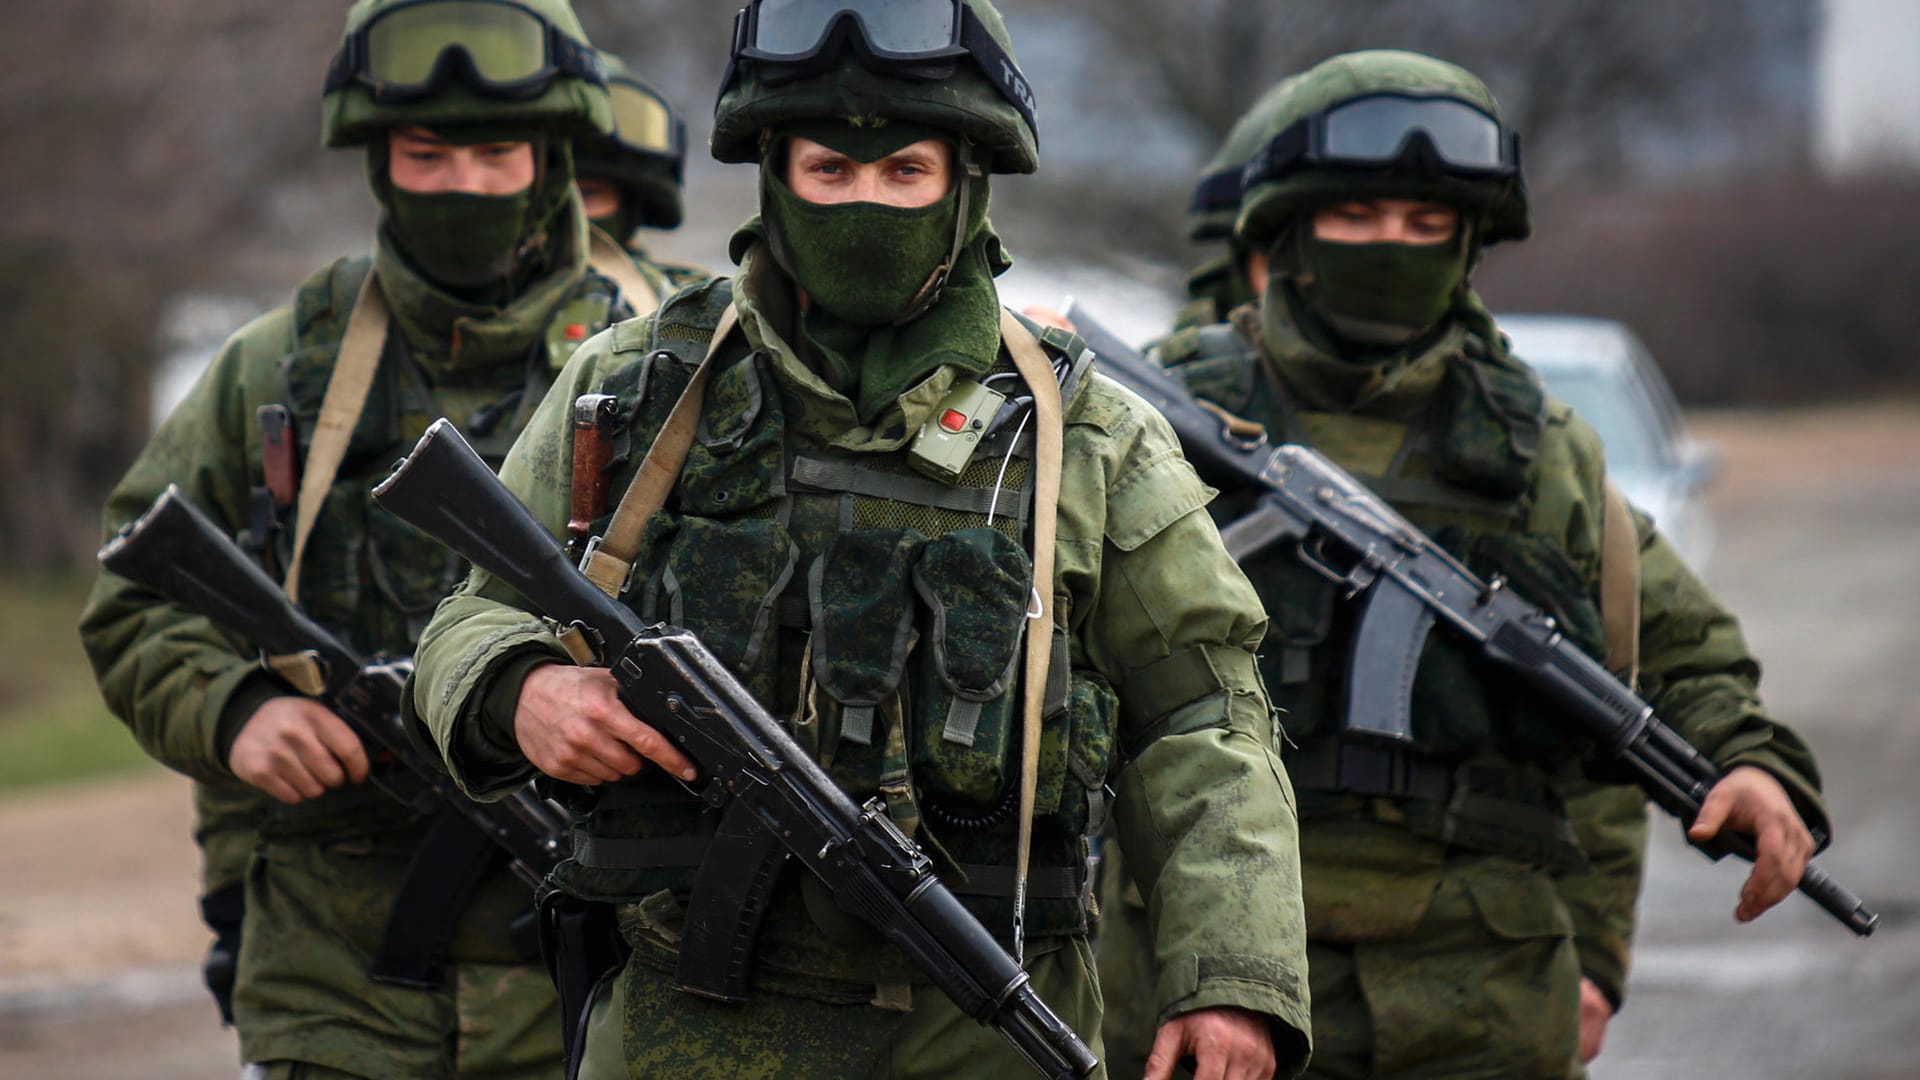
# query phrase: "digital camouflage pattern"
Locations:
[[569, 107], [319, 878], [1162, 697], [1435, 939], [320, 882]]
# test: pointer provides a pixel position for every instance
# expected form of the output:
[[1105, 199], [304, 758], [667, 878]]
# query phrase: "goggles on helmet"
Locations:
[[643, 122], [914, 39], [501, 49], [1445, 135], [1216, 191]]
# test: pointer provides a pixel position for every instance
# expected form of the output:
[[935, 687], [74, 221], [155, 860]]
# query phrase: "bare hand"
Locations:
[[1225, 1043], [1749, 801], [294, 749], [1595, 1012], [571, 725]]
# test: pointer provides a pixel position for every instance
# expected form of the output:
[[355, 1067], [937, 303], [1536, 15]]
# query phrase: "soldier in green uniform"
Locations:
[[846, 539], [1461, 915], [476, 293], [634, 178]]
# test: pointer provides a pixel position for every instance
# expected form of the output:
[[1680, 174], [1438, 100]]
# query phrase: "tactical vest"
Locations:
[[878, 610], [367, 575], [1489, 757]]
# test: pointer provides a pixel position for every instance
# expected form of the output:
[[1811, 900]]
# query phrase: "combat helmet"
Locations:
[[519, 63], [1216, 197], [876, 59], [646, 155], [1384, 123]]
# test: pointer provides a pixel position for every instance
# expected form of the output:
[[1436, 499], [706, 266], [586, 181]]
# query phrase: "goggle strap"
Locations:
[[1216, 191], [998, 67]]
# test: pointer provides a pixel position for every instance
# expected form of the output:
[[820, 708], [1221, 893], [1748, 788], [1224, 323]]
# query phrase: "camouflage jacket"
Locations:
[[1461, 440], [1146, 601]]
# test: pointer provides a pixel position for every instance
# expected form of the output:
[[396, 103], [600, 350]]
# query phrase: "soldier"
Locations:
[[634, 178], [1454, 906], [477, 291], [874, 587]]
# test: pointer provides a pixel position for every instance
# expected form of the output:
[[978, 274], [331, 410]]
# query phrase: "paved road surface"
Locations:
[[1820, 533]]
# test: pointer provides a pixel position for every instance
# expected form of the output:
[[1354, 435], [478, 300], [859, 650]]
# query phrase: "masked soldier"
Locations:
[[634, 179], [1459, 913], [373, 941], [872, 579]]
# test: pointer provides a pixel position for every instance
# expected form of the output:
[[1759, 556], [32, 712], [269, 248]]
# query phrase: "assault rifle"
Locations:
[[774, 801], [179, 552], [1405, 583]]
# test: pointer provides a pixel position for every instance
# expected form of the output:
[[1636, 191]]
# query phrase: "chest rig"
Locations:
[[1489, 758], [875, 599]]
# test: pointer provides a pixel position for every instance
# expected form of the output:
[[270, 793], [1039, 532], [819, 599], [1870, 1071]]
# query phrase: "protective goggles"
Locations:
[[500, 49], [916, 39], [1445, 135], [643, 122]]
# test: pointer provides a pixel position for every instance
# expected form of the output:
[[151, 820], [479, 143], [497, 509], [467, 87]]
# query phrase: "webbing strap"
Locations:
[[611, 559], [1620, 585], [347, 387], [1049, 449], [851, 477], [611, 261]]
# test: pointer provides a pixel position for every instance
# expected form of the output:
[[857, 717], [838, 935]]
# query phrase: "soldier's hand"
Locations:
[[1225, 1043], [294, 749], [1747, 800], [1595, 1013], [571, 725]]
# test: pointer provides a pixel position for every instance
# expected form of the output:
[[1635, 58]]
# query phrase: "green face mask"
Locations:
[[1380, 294], [460, 240], [864, 262]]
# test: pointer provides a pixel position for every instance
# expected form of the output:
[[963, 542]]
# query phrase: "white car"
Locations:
[[1603, 371]]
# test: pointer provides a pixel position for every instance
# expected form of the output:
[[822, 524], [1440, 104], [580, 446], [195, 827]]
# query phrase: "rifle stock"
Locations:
[[177, 551], [751, 771], [1355, 539]]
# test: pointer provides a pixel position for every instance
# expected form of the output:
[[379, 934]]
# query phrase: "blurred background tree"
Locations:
[[161, 154]]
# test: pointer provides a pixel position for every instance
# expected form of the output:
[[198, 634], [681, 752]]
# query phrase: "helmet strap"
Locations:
[[967, 171]]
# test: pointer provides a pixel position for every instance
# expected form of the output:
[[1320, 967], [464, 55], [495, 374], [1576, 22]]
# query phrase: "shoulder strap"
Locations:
[[611, 261], [610, 559], [353, 370], [1048, 451], [1620, 585]]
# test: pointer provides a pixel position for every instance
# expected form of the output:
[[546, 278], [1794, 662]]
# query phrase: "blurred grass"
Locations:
[[53, 726]]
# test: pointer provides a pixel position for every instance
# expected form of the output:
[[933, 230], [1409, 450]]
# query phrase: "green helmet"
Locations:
[[1299, 166], [1216, 198], [523, 64], [967, 102], [645, 156]]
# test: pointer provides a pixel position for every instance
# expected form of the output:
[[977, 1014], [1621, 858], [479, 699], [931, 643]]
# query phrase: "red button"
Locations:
[[953, 420], [576, 331]]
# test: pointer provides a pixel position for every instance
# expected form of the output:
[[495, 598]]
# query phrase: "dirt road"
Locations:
[[1819, 532]]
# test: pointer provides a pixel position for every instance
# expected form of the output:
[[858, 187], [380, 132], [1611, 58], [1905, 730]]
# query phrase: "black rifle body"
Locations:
[[177, 551], [1407, 584], [774, 802]]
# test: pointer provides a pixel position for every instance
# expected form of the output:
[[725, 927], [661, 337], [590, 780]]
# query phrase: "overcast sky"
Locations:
[[1869, 103]]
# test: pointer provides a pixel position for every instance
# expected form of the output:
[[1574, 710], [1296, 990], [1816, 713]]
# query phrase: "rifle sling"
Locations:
[[1049, 450], [353, 371], [611, 261], [611, 559], [446, 869], [1620, 586]]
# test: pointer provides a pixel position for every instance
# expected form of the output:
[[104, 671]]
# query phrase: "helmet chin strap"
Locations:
[[968, 171]]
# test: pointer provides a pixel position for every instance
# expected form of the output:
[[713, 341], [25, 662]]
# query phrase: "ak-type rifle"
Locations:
[[1405, 584], [773, 801], [177, 551]]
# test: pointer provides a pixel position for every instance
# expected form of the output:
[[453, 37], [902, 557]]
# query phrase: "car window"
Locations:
[[1619, 411]]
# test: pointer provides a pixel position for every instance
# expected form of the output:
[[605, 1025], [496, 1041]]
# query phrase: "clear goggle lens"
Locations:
[[641, 120]]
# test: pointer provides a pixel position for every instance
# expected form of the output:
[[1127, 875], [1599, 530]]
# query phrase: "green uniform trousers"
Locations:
[[316, 913], [643, 1027]]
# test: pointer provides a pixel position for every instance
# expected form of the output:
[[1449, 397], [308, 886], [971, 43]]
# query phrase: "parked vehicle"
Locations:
[[1604, 372]]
